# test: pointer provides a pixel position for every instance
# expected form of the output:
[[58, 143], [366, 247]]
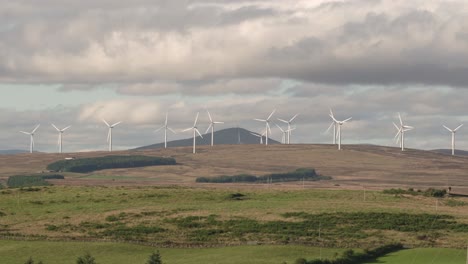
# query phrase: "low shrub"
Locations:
[[32, 180]]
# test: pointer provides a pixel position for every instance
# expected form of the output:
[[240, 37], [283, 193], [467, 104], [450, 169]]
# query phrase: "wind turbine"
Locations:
[[165, 131], [283, 133], [289, 127], [60, 136], [259, 136], [339, 124], [333, 124], [31, 134], [453, 136], [267, 126], [400, 135], [212, 124], [195, 132], [109, 135]]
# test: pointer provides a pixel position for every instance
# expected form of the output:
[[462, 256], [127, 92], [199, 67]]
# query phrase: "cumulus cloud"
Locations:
[[331, 42]]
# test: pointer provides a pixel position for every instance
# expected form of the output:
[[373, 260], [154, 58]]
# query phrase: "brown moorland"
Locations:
[[355, 167]]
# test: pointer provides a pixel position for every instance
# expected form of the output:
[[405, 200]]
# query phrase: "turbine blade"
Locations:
[[331, 113], [280, 128], [328, 129], [209, 116], [255, 134], [448, 128], [334, 119], [218, 122], [55, 127], [170, 129], [397, 127], [26, 133], [165, 123], [271, 114], [208, 129], [196, 119], [116, 123], [268, 127], [105, 122], [294, 117], [282, 120], [66, 128], [458, 127], [35, 129], [399, 117], [261, 120], [198, 132], [109, 134], [346, 120], [185, 130], [157, 130]]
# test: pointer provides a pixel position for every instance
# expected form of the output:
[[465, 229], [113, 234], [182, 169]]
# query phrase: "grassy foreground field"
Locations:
[[181, 216], [16, 252], [424, 256]]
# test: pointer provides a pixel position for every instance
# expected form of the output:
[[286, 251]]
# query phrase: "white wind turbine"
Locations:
[[267, 125], [165, 131], [212, 124], [60, 136], [400, 135], [195, 132], [453, 136], [289, 127], [339, 124], [259, 136], [333, 124], [283, 133], [109, 135], [31, 134]]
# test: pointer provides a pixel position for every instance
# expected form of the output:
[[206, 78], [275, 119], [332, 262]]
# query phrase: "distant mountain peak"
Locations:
[[228, 136]]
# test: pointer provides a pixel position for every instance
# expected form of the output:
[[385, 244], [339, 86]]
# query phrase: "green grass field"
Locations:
[[17, 252], [425, 256], [281, 220]]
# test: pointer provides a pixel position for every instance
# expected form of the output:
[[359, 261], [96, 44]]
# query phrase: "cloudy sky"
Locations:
[[73, 63]]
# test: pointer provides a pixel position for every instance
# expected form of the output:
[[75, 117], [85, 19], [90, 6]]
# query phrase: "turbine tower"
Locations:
[[267, 126], [212, 124], [400, 135], [195, 132], [165, 131], [109, 135], [453, 136], [283, 133], [31, 134], [289, 127], [339, 124], [333, 124], [60, 136]]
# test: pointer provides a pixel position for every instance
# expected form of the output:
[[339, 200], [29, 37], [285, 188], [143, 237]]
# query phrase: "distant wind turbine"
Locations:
[[109, 135], [400, 135], [289, 127], [165, 131], [60, 136], [267, 125], [453, 136], [31, 134], [339, 124], [212, 125], [195, 132], [259, 136], [333, 124], [283, 133]]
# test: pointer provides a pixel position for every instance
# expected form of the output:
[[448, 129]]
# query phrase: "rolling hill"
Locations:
[[229, 136]]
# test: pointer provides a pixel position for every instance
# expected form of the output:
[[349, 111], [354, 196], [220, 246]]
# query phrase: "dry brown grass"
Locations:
[[355, 167]]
